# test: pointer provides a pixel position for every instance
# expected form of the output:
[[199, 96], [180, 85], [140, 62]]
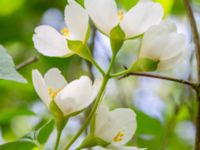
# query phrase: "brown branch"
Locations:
[[194, 33], [192, 84], [27, 62], [197, 47]]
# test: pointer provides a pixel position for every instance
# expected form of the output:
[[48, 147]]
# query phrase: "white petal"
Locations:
[[50, 42], [96, 87], [109, 124], [40, 87], [126, 122], [105, 127], [112, 147], [166, 64], [75, 96], [77, 21], [54, 79], [161, 42], [141, 17], [103, 13], [163, 46]]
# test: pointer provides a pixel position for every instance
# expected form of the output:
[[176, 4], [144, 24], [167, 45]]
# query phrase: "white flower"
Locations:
[[72, 97], [48, 41], [135, 22], [163, 43], [121, 148], [116, 127]]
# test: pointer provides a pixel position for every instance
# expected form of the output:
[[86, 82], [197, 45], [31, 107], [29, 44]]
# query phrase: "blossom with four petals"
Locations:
[[162, 43], [69, 97], [135, 22], [116, 127], [50, 42]]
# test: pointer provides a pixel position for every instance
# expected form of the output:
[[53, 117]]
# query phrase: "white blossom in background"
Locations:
[[186, 130], [136, 21], [69, 97], [121, 148], [163, 43], [116, 127], [50, 42]]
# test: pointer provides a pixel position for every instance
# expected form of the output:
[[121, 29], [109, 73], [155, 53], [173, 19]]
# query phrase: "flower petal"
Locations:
[[141, 17], [77, 21], [40, 87], [105, 127], [50, 42], [95, 88], [75, 96], [161, 43], [166, 64], [103, 13], [54, 79], [112, 147], [126, 122], [109, 124]]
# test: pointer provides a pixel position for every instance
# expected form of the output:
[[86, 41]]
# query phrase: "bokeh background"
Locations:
[[166, 111]]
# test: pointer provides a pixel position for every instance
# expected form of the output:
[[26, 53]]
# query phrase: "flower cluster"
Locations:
[[161, 48]]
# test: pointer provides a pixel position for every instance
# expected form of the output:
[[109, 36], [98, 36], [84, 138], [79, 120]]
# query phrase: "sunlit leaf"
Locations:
[[167, 5], [7, 67], [19, 145], [127, 4], [8, 7]]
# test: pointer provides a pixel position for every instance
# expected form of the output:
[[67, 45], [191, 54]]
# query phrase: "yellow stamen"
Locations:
[[53, 93], [65, 32], [120, 15], [118, 137]]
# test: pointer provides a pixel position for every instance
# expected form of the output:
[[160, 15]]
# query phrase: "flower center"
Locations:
[[118, 137], [53, 93], [65, 32], [120, 15]]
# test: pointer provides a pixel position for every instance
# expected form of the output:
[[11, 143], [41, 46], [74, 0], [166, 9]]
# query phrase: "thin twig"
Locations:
[[197, 47], [192, 84], [27, 62], [194, 33]]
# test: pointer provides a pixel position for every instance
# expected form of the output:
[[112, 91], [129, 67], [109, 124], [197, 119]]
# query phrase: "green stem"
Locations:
[[98, 67], [96, 104], [119, 74], [105, 80], [57, 139], [111, 64]]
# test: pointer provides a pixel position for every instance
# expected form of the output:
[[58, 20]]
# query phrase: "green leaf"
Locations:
[[167, 5], [7, 67], [19, 145], [44, 132], [148, 124], [7, 116], [117, 36], [127, 4], [81, 2], [8, 7], [144, 65], [149, 127], [91, 141], [80, 49], [178, 7]]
